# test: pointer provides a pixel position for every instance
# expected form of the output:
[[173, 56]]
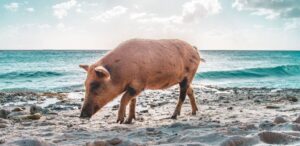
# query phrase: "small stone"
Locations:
[[257, 101], [35, 116], [97, 143], [114, 141], [297, 120], [4, 121], [2, 125], [230, 108], [2, 141], [17, 109], [4, 113], [35, 109], [266, 125], [144, 111], [150, 129], [279, 120], [115, 107], [272, 107], [292, 98]]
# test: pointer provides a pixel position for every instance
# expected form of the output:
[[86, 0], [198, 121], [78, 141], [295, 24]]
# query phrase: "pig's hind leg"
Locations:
[[184, 85], [191, 96]]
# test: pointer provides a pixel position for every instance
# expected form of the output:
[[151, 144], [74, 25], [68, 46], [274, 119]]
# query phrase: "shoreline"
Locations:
[[226, 116]]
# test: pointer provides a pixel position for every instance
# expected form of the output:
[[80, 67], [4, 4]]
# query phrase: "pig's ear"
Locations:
[[102, 72], [85, 67]]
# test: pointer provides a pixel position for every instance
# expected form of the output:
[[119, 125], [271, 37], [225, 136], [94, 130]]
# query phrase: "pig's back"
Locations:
[[156, 64]]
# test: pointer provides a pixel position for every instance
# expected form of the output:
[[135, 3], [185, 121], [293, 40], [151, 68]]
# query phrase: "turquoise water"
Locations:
[[59, 71]]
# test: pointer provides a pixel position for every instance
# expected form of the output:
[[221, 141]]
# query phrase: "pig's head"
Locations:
[[99, 90]]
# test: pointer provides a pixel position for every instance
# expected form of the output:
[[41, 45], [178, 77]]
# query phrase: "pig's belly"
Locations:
[[162, 82]]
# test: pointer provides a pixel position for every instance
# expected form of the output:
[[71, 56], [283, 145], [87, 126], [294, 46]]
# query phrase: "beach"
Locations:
[[226, 116]]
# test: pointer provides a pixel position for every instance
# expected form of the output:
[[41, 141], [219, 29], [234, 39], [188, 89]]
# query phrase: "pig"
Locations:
[[136, 65]]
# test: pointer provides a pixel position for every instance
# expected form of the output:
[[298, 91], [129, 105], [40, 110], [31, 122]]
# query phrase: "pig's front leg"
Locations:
[[131, 111], [129, 95]]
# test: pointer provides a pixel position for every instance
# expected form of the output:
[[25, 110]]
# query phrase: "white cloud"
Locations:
[[291, 25], [30, 9], [137, 15], [271, 9], [115, 11], [61, 10], [196, 9], [12, 6], [192, 11]]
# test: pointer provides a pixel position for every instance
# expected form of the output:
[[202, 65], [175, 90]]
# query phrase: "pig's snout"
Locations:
[[86, 112], [85, 115]]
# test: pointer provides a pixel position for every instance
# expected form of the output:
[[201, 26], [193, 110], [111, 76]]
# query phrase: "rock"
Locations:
[[35, 109], [4, 121], [230, 108], [150, 129], [35, 116], [279, 120], [30, 142], [2, 125], [115, 107], [266, 125], [2, 141], [16, 115], [277, 138], [114, 141], [4, 113], [17, 109], [97, 143], [295, 127], [257, 101], [239, 141], [272, 107], [144, 111], [297, 120], [292, 98]]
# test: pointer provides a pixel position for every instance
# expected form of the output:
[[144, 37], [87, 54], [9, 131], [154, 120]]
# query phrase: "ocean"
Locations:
[[58, 71]]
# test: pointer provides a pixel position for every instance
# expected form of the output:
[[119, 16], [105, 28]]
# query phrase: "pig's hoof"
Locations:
[[174, 117], [194, 113], [128, 121], [120, 120]]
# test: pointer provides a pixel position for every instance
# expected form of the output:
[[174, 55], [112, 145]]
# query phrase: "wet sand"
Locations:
[[226, 116]]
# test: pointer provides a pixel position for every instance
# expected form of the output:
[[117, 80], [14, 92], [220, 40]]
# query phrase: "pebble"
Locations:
[[150, 129], [239, 141], [279, 120], [17, 109], [230, 108], [35, 116], [2, 141], [2, 125], [97, 143], [4, 113], [297, 120], [115, 107], [266, 125], [4, 121], [35, 109], [114, 141], [272, 107], [30, 142], [144, 111], [292, 98]]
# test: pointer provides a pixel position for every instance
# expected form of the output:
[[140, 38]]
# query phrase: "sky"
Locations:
[[103, 24]]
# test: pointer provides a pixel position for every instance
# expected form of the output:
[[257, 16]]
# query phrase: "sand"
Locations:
[[226, 116]]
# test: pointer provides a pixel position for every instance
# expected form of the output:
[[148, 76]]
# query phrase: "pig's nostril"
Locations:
[[85, 115]]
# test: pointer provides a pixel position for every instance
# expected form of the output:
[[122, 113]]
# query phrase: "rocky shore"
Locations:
[[226, 116]]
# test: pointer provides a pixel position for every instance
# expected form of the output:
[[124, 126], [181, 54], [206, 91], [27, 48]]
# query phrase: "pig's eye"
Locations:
[[94, 86]]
